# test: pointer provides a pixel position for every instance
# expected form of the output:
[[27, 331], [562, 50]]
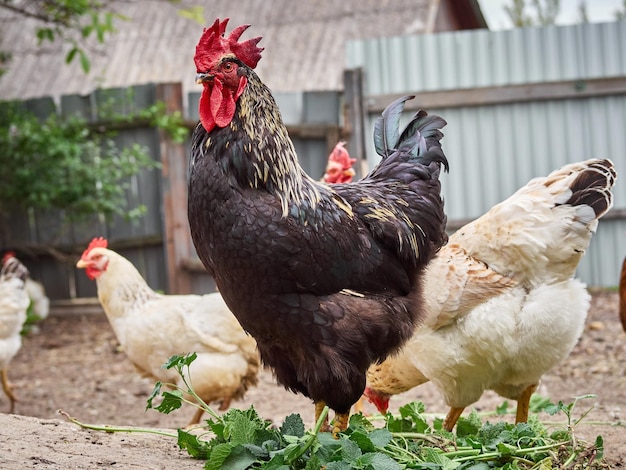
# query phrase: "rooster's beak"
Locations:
[[203, 78], [81, 264]]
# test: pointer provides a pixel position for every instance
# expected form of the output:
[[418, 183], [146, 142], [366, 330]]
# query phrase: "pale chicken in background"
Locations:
[[14, 302], [153, 327], [502, 305], [40, 304]]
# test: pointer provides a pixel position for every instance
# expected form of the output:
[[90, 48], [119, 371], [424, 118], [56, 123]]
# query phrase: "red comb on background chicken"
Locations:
[[325, 278], [339, 168]]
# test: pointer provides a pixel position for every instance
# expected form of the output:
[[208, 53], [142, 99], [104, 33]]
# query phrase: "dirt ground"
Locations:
[[74, 363]]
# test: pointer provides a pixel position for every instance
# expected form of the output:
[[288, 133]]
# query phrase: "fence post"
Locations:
[[177, 240], [354, 117]]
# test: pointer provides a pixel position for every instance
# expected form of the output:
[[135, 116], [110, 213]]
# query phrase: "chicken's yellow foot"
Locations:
[[340, 423], [451, 418], [8, 389], [319, 407], [523, 404]]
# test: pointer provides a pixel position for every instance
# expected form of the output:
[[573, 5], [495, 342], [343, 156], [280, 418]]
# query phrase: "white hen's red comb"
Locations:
[[98, 242]]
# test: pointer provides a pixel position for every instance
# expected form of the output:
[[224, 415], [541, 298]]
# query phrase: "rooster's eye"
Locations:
[[228, 66]]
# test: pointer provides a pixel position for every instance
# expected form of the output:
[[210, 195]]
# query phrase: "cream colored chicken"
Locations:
[[14, 303], [152, 327], [503, 306]]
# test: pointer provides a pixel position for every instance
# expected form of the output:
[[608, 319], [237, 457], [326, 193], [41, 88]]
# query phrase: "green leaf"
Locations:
[[292, 452], [468, 426], [599, 445], [194, 13], [350, 451], [218, 455], [155, 393], [505, 449], [436, 456], [195, 448], [293, 426], [340, 465], [503, 408], [240, 428], [239, 458], [380, 437], [538, 403], [70, 55], [172, 400], [552, 409], [358, 421], [44, 34], [478, 466], [86, 31], [379, 461], [179, 361], [413, 411], [84, 61], [363, 441], [313, 463]]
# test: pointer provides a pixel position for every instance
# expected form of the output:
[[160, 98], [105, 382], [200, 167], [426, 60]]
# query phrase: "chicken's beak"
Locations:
[[81, 264], [204, 78], [350, 172]]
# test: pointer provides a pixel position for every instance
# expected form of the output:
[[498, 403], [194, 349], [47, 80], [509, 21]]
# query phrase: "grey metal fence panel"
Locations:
[[470, 59], [496, 148]]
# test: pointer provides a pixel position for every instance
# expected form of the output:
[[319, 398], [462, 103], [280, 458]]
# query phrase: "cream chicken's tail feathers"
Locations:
[[561, 214]]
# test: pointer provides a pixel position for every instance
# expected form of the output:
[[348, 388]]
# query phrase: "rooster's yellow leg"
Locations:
[[8, 389], [319, 407], [340, 423], [523, 404], [451, 418]]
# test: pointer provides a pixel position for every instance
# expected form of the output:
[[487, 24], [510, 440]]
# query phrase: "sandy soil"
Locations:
[[74, 363]]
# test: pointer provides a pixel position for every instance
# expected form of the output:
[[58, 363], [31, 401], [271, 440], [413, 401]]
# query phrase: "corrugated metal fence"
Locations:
[[519, 104]]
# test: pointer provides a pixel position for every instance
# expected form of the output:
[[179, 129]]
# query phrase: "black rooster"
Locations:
[[325, 278]]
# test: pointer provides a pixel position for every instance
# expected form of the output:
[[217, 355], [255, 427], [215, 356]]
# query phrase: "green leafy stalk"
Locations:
[[112, 429]]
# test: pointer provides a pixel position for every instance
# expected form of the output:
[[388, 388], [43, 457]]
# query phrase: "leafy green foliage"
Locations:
[[63, 164], [74, 21], [242, 439], [67, 165], [80, 24]]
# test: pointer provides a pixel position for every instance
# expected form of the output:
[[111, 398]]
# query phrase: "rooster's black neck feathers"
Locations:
[[256, 150]]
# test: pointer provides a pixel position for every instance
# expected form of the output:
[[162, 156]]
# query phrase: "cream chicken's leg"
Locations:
[[523, 404], [8, 389], [451, 418]]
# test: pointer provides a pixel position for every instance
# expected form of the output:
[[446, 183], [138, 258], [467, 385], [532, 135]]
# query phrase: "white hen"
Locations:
[[503, 307], [39, 302], [152, 327], [14, 302]]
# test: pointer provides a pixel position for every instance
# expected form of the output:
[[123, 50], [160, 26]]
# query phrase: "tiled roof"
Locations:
[[303, 40]]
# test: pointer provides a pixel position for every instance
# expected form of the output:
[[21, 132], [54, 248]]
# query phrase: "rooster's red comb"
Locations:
[[213, 45], [97, 242]]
